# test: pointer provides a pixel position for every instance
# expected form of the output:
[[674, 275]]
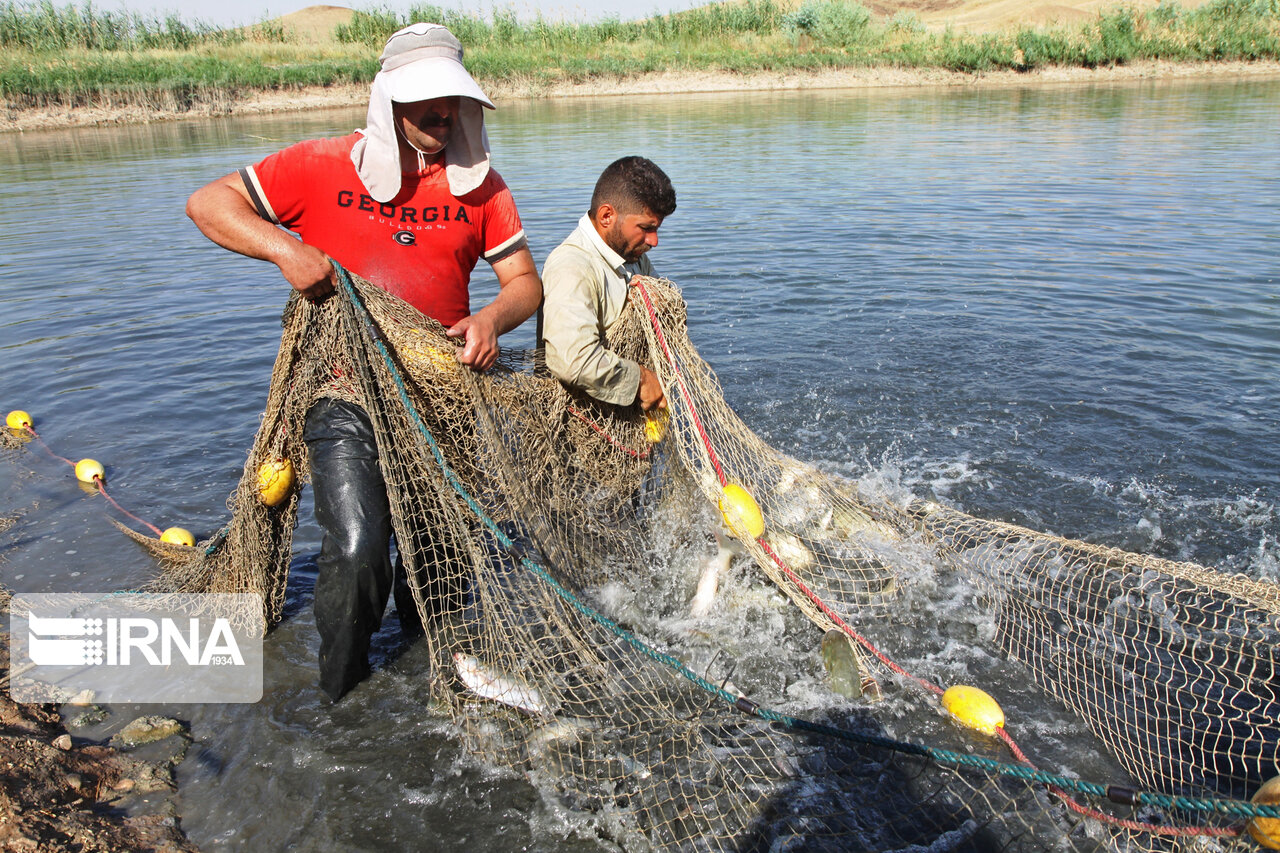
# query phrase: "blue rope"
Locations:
[[1237, 808]]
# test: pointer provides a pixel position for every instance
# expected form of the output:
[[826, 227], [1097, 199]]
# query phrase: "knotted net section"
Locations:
[[521, 508]]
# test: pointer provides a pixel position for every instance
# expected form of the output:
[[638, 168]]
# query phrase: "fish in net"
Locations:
[[520, 509]]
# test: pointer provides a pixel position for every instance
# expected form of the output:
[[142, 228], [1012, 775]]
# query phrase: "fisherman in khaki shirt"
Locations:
[[584, 283]]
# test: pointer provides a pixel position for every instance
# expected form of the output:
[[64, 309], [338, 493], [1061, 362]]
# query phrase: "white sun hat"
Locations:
[[420, 62]]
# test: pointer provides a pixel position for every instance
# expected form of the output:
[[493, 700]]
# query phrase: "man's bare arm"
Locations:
[[519, 293], [224, 213]]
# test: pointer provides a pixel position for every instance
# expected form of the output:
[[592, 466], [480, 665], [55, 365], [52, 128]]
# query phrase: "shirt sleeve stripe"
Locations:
[[256, 195], [510, 247]]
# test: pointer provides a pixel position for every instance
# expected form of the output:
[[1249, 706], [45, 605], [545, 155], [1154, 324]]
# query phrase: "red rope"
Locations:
[[98, 481], [684, 390], [102, 487], [1086, 811], [582, 416], [840, 623], [46, 447]]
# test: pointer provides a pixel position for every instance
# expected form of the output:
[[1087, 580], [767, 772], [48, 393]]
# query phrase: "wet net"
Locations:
[[529, 518]]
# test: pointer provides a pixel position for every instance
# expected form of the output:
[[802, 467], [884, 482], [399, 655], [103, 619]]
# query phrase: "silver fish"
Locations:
[[504, 689], [558, 733], [726, 549], [853, 524], [791, 550]]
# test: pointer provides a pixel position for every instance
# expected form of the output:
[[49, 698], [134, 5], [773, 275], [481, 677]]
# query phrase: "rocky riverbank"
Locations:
[[60, 791]]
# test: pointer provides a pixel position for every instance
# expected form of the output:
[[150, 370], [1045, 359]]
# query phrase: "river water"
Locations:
[[1054, 306]]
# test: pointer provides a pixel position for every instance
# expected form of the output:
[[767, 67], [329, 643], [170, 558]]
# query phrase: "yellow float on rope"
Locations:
[[18, 419], [741, 513], [178, 536], [1266, 830], [87, 470], [973, 708], [275, 480]]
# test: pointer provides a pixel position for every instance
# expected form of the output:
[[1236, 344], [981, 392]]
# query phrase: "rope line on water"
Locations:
[[102, 487], [47, 448], [1234, 808], [100, 483]]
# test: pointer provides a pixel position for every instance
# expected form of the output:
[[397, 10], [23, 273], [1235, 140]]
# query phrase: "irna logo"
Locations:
[[135, 647], [61, 641]]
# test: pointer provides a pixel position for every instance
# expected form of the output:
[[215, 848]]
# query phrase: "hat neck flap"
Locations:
[[376, 155]]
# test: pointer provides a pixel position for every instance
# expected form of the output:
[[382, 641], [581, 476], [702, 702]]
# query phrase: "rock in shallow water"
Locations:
[[146, 730]]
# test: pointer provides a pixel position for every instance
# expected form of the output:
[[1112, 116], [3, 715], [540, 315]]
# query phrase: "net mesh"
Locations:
[[524, 512]]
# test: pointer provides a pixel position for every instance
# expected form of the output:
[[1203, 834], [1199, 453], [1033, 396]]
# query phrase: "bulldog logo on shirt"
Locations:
[[404, 238]]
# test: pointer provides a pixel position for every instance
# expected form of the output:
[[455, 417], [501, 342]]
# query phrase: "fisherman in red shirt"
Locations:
[[411, 204]]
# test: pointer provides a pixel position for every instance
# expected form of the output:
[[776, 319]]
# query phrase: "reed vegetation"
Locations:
[[81, 55]]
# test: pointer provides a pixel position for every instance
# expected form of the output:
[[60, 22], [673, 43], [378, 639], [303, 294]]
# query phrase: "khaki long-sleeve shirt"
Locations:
[[584, 284]]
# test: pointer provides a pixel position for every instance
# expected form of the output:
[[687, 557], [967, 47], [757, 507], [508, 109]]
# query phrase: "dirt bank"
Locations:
[[60, 793], [650, 84]]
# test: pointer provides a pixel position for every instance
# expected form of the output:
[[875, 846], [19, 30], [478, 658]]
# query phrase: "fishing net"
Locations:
[[528, 517]]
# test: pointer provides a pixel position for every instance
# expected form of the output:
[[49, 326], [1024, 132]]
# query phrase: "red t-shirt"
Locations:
[[421, 245]]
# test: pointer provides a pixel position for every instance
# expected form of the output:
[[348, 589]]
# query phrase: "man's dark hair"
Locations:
[[633, 184]]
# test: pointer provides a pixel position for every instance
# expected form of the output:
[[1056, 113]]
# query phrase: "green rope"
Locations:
[[1237, 808], [217, 540]]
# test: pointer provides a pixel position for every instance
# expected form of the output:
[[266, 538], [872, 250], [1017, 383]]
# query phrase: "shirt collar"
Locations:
[[612, 258]]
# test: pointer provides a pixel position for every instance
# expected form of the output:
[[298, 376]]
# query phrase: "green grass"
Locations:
[[43, 27], [80, 55]]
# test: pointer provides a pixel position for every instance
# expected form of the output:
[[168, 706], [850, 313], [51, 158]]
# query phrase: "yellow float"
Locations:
[[741, 513], [973, 708], [431, 357], [655, 425], [1266, 830], [18, 419], [89, 470], [275, 480], [178, 536]]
